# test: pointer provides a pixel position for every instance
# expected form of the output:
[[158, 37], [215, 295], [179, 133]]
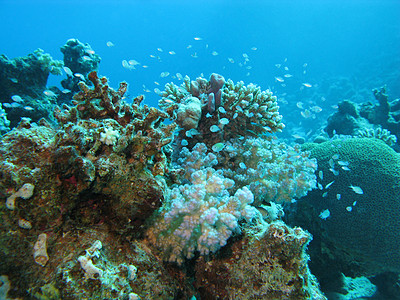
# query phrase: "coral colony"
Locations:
[[108, 198]]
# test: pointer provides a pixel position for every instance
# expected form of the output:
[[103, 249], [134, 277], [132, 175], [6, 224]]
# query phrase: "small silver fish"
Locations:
[[218, 147], [325, 214], [17, 98], [214, 128], [49, 93], [329, 184], [335, 172], [356, 189]]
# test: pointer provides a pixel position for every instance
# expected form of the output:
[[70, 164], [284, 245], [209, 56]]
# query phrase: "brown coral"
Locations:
[[269, 263]]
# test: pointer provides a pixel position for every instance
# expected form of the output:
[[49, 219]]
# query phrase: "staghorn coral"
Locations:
[[232, 110], [138, 130], [269, 262]]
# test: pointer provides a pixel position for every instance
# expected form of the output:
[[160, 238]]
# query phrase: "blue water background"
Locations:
[[358, 41]]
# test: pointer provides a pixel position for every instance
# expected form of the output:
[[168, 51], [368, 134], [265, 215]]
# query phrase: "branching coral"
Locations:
[[272, 170], [200, 216], [228, 110], [140, 129], [378, 133]]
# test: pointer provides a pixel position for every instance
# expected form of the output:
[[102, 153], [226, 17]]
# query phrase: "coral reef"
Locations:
[[359, 185], [201, 216], [4, 123], [23, 85], [81, 178], [379, 133], [352, 117], [228, 110], [98, 204], [274, 254], [79, 60]]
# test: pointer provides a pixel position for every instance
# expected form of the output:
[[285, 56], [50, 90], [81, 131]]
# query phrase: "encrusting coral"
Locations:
[[269, 262], [359, 182]]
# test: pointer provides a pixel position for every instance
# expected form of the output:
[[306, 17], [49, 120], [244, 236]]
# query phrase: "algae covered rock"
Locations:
[[268, 263]]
